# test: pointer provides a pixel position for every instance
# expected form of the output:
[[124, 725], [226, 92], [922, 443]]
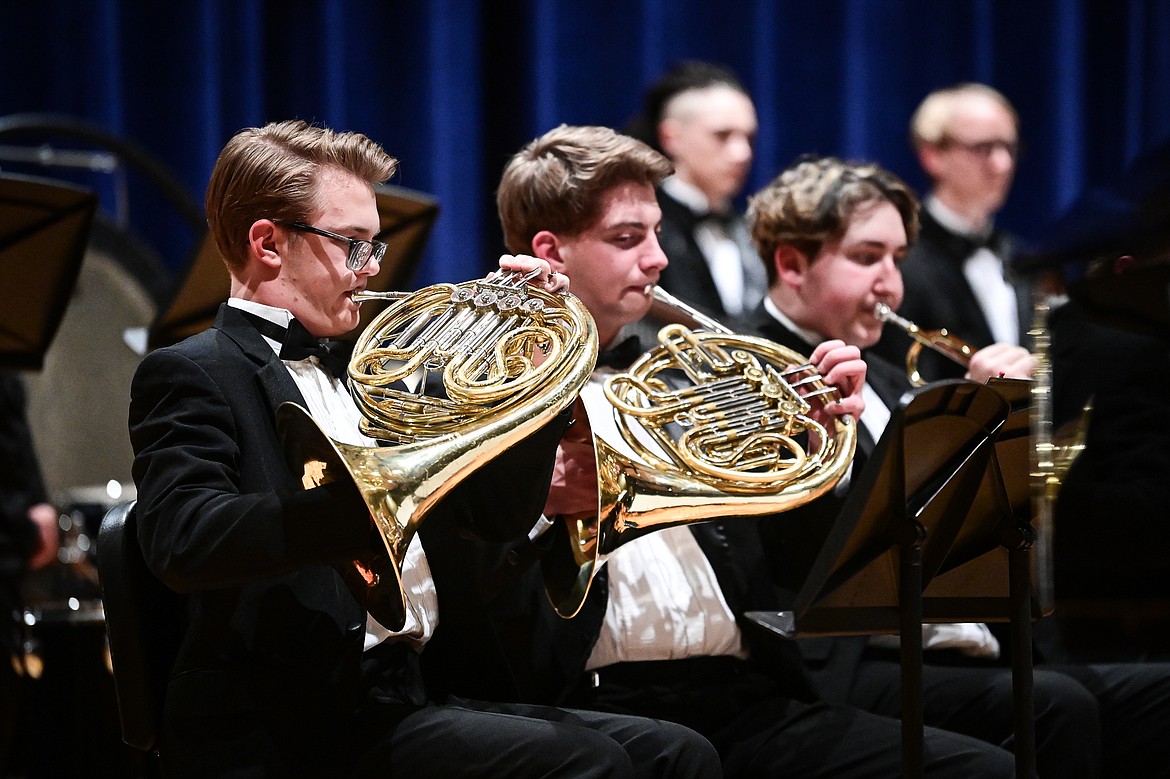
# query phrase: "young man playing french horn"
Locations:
[[661, 633], [270, 678]]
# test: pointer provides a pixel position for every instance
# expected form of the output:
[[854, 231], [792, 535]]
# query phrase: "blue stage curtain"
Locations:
[[453, 87]]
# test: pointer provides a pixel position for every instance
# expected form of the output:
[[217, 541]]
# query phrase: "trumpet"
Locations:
[[480, 338], [941, 341], [707, 423]]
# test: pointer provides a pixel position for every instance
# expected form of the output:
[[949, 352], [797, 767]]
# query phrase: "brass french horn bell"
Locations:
[[490, 362], [941, 341], [706, 424]]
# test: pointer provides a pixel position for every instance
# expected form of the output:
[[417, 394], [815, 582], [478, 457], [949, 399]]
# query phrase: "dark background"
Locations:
[[454, 87]]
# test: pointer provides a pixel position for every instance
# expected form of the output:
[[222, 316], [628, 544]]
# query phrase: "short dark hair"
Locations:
[[684, 77]]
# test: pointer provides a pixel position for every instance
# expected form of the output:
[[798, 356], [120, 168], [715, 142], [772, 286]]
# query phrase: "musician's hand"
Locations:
[[842, 367], [1002, 360], [574, 479], [547, 278], [44, 517]]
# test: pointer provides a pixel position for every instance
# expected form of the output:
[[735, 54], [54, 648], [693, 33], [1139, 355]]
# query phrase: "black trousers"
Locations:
[[464, 738], [759, 732], [395, 731], [1091, 721]]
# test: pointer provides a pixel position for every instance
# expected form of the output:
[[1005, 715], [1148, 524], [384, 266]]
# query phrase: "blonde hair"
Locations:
[[272, 172], [932, 118], [556, 182], [812, 202]]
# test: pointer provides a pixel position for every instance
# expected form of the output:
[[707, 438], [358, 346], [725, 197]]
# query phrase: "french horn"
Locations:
[[707, 423], [489, 362]]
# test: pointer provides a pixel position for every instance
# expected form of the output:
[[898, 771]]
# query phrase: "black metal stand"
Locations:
[[910, 630], [903, 522], [1020, 582]]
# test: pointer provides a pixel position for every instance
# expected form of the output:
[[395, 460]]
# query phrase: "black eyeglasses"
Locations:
[[984, 149], [360, 251]]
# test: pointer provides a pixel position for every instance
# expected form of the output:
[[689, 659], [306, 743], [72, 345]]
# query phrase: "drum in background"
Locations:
[[77, 411], [70, 721], [78, 402], [68, 592]]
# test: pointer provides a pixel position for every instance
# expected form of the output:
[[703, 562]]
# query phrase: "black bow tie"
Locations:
[[725, 219], [297, 343], [966, 245], [622, 354]]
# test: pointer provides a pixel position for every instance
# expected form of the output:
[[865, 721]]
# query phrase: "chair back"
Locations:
[[143, 624]]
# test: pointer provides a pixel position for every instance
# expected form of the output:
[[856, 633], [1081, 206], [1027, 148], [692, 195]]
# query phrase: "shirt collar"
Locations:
[[952, 221], [279, 316], [687, 194], [811, 338]]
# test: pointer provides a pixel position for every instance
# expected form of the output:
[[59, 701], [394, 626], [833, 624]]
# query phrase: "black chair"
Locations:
[[143, 624]]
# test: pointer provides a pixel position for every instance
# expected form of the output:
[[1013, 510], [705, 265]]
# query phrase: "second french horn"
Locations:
[[707, 423]]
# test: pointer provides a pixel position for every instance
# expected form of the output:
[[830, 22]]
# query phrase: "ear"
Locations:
[[547, 246], [930, 158], [791, 265], [266, 241], [668, 132]]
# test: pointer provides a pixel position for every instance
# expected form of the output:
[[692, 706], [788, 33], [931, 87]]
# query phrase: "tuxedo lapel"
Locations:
[[763, 323], [889, 381], [271, 374], [687, 276], [969, 321]]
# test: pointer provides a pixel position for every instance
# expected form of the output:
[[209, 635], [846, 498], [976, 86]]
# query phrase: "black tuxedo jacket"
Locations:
[[1113, 535], [270, 665], [548, 666], [688, 276], [938, 295], [793, 543]]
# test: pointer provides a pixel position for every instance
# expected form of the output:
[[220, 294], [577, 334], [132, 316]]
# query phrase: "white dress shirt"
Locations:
[[984, 271], [665, 602], [730, 257]]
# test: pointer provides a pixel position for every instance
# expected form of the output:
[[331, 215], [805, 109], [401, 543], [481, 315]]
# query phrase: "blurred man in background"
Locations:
[[958, 275], [701, 117]]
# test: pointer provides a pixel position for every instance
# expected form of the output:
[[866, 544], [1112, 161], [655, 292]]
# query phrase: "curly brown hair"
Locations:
[[812, 201]]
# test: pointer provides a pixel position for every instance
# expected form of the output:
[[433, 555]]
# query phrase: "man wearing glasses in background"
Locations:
[[958, 274]]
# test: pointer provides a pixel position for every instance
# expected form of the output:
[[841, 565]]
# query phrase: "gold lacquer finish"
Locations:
[[449, 376], [1053, 450], [940, 341], [706, 424]]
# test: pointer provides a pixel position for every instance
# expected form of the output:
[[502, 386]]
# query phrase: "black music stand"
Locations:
[[44, 229], [405, 221], [997, 535], [907, 509]]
